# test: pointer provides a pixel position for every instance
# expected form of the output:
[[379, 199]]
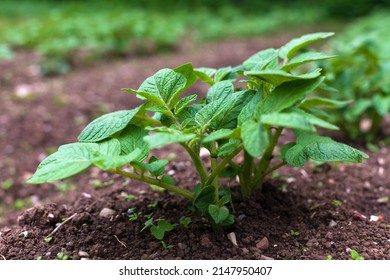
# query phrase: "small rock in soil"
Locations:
[[263, 257], [205, 242], [358, 216], [312, 243], [332, 223], [83, 254], [232, 237], [107, 213], [263, 244]]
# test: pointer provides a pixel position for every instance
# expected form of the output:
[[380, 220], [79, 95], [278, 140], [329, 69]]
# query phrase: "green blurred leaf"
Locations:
[[260, 60], [286, 95], [288, 50], [277, 77], [305, 58], [218, 134]]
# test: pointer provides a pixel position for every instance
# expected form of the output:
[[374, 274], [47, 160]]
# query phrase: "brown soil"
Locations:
[[298, 212]]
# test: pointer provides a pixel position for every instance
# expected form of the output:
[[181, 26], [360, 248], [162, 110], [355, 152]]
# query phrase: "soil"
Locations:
[[302, 213]]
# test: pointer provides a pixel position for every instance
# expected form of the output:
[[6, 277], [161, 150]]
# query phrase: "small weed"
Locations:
[[20, 204], [61, 256], [65, 187], [129, 197], [336, 203], [295, 233], [39, 258], [7, 184], [283, 188], [275, 175], [355, 255], [48, 239], [329, 258], [153, 204], [185, 221]]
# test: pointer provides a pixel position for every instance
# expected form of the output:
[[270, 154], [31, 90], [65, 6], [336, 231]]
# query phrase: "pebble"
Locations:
[[232, 237], [266, 258], [263, 244], [332, 223], [83, 254], [205, 242], [107, 213], [312, 243]]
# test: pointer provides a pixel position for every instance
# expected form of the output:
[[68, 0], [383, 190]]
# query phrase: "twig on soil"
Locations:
[[123, 244], [3, 257], [60, 225]]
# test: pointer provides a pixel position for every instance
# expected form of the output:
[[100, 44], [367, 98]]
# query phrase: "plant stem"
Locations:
[[214, 164], [265, 161], [197, 163], [172, 188], [223, 163], [246, 175]]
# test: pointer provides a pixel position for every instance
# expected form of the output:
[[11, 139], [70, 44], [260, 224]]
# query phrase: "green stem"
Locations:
[[197, 163], [172, 188], [214, 164], [245, 179], [265, 161], [223, 163]]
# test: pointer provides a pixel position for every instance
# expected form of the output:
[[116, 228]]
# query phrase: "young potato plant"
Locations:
[[361, 75], [228, 121]]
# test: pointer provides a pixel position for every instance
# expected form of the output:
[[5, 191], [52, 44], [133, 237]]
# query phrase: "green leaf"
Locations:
[[222, 73], [107, 125], [288, 50], [249, 110], [286, 95], [168, 179], [203, 198], [228, 147], [157, 232], [206, 74], [161, 139], [219, 214], [381, 104], [357, 109], [319, 148], [161, 109], [277, 77], [305, 58], [110, 147], [165, 225], [255, 138], [155, 166], [69, 160], [187, 70], [219, 90], [131, 138], [223, 112], [219, 134], [163, 88], [111, 162], [182, 103], [314, 120], [260, 60], [323, 102]]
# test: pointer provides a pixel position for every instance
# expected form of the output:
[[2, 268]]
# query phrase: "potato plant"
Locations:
[[361, 76], [272, 94]]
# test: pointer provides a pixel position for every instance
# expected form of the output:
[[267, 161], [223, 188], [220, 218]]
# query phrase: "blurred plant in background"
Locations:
[[71, 32], [361, 75]]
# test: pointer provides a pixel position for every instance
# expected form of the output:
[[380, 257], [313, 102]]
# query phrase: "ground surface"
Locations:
[[308, 213]]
